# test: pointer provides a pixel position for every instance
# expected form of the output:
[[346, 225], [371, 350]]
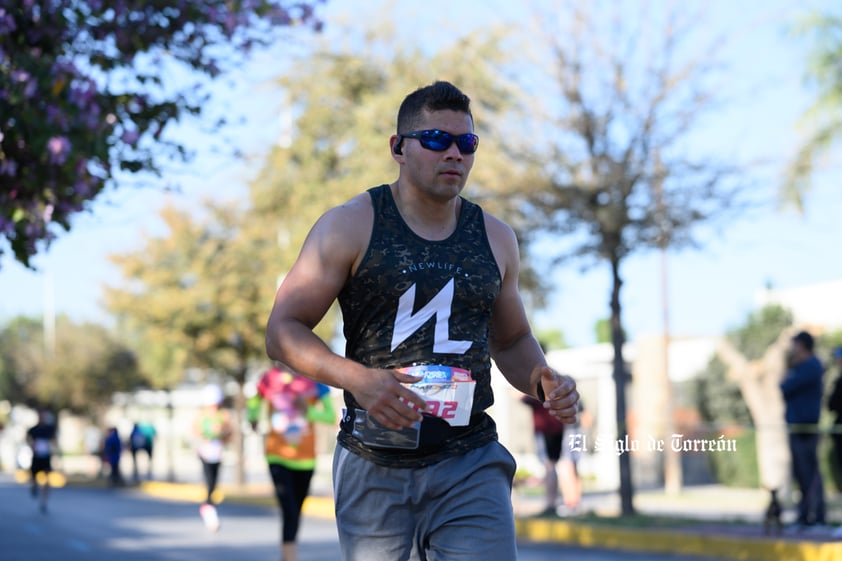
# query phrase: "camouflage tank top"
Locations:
[[416, 301]]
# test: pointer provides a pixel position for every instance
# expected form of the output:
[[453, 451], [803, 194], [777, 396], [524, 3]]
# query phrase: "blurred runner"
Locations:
[[293, 403], [141, 439], [213, 429], [42, 439]]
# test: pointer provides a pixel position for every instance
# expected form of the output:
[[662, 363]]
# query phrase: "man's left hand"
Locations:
[[560, 396]]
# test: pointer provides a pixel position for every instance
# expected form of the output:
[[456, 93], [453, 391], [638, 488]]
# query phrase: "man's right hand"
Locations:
[[384, 396]]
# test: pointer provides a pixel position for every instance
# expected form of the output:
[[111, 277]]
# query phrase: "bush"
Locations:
[[831, 471], [738, 468]]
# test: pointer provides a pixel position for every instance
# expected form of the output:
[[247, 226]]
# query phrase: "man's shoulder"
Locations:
[[343, 228], [814, 364], [502, 239], [496, 226], [349, 213]]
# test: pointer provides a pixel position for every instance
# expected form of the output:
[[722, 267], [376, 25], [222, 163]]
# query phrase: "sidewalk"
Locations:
[[710, 520]]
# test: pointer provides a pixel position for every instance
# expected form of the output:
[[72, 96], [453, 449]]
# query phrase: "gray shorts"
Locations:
[[459, 509]]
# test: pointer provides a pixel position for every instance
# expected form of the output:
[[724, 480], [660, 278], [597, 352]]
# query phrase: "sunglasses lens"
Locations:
[[439, 141], [467, 143], [436, 140]]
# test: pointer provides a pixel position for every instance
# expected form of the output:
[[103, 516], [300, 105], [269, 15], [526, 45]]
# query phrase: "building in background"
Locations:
[[817, 306]]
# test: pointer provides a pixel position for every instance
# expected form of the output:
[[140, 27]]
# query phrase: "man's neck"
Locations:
[[430, 218]]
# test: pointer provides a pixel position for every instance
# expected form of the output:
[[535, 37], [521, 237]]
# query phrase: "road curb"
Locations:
[[321, 507], [676, 541]]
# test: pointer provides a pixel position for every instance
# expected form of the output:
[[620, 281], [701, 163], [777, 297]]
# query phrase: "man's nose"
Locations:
[[453, 152]]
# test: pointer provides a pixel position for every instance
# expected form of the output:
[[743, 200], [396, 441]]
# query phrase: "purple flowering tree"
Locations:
[[83, 98]]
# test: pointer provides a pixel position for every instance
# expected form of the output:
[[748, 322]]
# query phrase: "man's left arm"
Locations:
[[524, 365], [514, 349]]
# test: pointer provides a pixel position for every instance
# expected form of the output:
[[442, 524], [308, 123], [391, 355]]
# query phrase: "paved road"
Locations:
[[102, 524]]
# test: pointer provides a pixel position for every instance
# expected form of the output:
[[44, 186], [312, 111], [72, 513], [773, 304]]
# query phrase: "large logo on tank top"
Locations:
[[407, 323]]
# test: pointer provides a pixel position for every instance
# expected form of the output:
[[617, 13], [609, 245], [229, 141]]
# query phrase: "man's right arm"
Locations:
[[799, 377], [307, 292], [329, 256]]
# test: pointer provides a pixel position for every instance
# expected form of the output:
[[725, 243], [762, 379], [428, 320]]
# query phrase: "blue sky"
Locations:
[[710, 290]]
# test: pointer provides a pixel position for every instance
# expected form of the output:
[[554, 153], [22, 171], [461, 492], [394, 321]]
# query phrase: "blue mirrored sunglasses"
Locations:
[[439, 141]]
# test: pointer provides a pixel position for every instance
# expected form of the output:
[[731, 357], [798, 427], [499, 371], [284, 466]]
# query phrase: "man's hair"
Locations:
[[805, 339], [438, 96]]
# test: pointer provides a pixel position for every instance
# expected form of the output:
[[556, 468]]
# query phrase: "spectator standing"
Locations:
[[802, 393]]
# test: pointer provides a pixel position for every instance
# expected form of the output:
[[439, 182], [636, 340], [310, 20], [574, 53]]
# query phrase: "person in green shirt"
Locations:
[[213, 430]]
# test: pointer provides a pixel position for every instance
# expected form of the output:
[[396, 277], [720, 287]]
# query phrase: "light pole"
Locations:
[[49, 314], [672, 459]]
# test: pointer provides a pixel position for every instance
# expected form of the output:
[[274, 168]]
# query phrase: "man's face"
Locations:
[[439, 174], [797, 352]]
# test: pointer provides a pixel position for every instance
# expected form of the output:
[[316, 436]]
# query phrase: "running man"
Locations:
[[428, 286]]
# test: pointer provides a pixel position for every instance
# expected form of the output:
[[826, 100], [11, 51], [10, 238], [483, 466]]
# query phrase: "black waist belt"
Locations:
[[432, 434]]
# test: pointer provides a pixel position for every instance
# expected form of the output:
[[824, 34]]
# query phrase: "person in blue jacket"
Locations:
[[112, 450], [802, 392]]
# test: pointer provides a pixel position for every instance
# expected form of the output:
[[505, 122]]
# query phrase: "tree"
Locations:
[[551, 338], [80, 370], [615, 174], [86, 368], [724, 412], [755, 357], [824, 117], [199, 297], [21, 358], [602, 330], [87, 91], [719, 399]]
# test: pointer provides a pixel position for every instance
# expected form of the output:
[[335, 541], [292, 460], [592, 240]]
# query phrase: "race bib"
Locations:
[[211, 451], [448, 391], [41, 447], [293, 429]]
